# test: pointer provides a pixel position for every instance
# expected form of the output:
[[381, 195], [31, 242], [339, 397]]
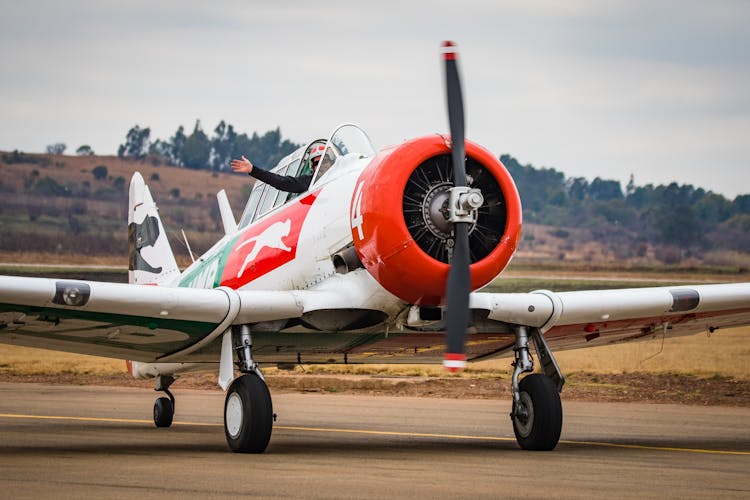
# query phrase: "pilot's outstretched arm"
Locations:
[[282, 182]]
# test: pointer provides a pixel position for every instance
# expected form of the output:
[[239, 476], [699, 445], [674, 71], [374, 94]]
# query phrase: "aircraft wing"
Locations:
[[137, 322], [155, 323], [588, 318]]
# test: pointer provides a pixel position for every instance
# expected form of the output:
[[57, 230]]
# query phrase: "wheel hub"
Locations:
[[233, 415], [524, 415]]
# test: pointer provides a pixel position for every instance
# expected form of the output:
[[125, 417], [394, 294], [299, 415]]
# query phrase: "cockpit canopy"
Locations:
[[346, 140]]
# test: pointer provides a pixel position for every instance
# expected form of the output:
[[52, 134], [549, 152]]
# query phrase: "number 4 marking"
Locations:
[[357, 211]]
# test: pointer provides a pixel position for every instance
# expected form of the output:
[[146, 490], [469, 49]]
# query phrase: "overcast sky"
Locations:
[[659, 89]]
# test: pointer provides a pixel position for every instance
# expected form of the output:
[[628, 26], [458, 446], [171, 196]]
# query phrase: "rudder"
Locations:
[[151, 261]]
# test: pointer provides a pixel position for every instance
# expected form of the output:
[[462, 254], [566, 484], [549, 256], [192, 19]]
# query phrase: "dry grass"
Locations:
[[64, 259], [727, 257], [16, 360], [726, 353]]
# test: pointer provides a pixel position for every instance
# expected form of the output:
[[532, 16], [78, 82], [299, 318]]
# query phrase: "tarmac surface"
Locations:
[[100, 442]]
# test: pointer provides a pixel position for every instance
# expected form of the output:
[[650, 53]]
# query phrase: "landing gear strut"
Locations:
[[537, 411], [164, 407], [248, 411]]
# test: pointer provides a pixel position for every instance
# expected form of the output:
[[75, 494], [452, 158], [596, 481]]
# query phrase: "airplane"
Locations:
[[381, 260]]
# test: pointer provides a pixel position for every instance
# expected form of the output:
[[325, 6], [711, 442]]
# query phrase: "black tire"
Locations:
[[163, 412], [248, 415], [538, 424]]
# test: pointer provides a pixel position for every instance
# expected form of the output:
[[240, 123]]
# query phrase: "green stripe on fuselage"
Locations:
[[208, 273]]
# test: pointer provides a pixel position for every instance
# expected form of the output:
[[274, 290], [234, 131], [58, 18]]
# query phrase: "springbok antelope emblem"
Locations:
[[272, 237]]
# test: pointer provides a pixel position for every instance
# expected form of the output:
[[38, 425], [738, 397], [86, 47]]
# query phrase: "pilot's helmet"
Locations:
[[317, 152]]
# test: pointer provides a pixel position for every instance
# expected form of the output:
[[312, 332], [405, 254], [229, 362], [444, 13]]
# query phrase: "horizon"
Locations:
[[520, 161]]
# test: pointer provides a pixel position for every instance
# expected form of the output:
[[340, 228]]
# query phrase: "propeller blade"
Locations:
[[457, 303], [455, 113], [459, 279]]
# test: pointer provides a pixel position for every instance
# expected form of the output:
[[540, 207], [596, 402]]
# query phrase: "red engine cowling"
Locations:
[[399, 218]]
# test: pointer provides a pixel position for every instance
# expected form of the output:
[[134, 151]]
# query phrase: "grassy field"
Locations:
[[725, 353], [16, 360]]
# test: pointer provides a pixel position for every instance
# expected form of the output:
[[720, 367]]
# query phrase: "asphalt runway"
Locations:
[[100, 442]]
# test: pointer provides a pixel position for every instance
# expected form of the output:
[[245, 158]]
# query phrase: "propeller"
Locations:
[[459, 279]]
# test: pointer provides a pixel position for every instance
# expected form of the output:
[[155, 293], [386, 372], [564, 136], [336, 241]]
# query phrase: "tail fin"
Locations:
[[151, 259]]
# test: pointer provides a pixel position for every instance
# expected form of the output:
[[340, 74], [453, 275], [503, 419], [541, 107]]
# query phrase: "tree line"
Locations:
[[688, 219], [680, 215], [199, 151], [674, 214]]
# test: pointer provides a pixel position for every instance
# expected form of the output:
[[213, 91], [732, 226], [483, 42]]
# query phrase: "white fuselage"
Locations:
[[292, 247]]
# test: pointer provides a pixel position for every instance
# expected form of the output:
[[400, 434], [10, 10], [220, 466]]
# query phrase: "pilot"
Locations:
[[290, 183]]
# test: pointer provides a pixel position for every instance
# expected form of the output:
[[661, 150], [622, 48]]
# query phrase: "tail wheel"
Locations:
[[248, 415], [537, 417]]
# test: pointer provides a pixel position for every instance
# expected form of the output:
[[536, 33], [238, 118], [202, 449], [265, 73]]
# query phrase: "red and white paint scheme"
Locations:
[[354, 270], [267, 245]]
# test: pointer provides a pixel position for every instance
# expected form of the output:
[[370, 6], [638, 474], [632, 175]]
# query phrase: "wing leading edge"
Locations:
[[109, 319], [587, 318], [134, 322], [143, 323], [162, 324]]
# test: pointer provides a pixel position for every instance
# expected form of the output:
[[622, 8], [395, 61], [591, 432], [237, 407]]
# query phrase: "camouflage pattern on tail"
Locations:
[[151, 259]]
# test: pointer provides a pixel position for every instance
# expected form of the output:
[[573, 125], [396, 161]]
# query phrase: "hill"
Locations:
[[74, 206], [599, 221]]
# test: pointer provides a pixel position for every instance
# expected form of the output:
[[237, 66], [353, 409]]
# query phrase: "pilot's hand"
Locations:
[[242, 166]]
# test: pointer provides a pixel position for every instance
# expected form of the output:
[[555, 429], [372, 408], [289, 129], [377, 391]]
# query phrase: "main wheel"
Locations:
[[163, 412], [537, 421], [248, 415]]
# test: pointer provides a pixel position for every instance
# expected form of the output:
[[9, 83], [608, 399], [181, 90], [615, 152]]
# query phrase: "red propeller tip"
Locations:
[[448, 53], [454, 362]]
